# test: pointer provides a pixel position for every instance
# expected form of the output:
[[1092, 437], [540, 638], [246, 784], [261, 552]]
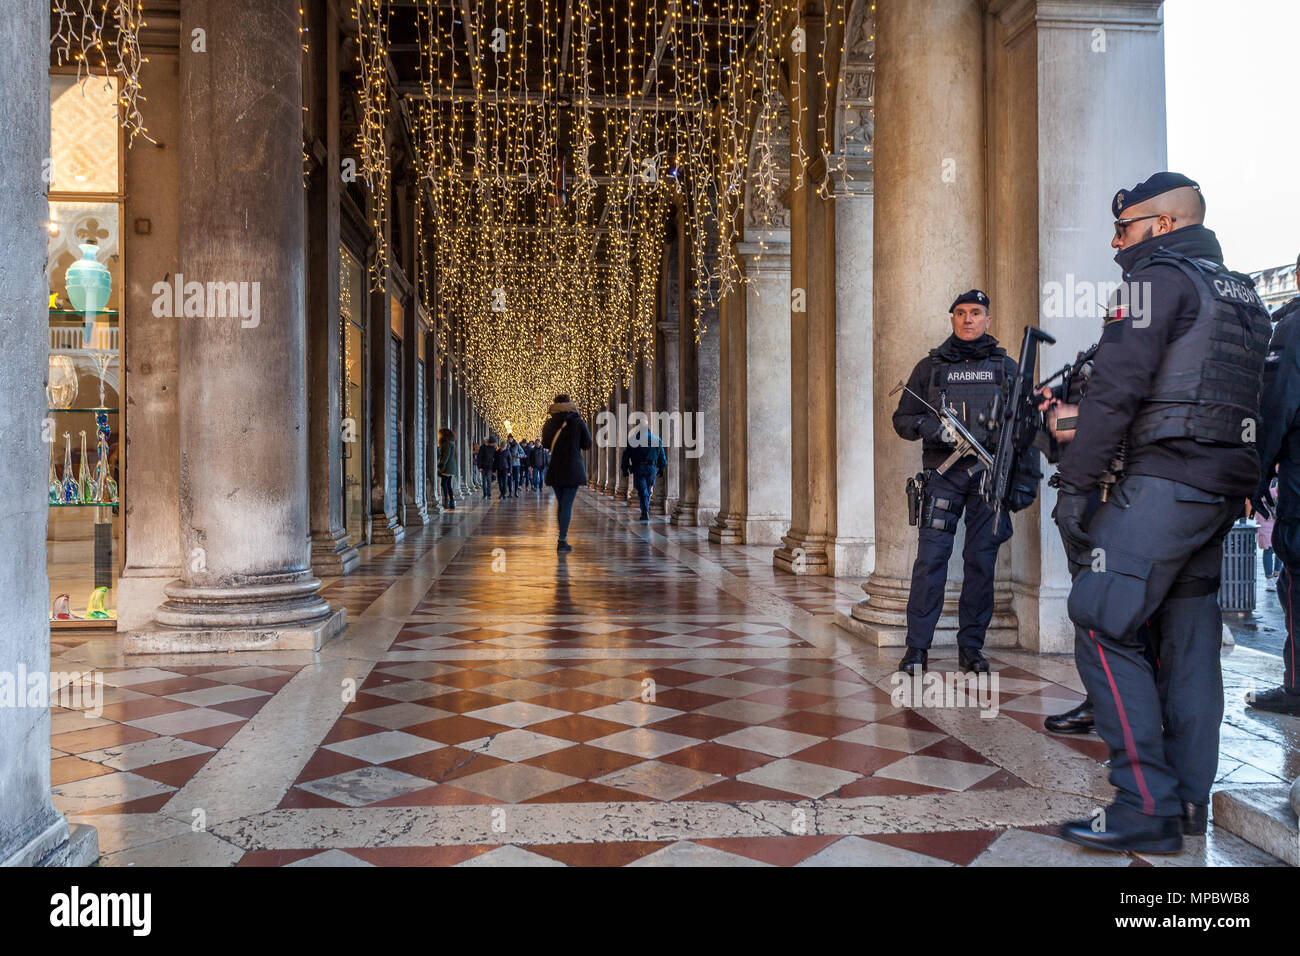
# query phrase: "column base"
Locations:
[[802, 554], [190, 640], [416, 513], [727, 529], [333, 555], [386, 529], [57, 845], [881, 618], [667, 507], [686, 514]]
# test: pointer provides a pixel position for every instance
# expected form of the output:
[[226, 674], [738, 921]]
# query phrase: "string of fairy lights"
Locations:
[[554, 141], [103, 40], [551, 161]]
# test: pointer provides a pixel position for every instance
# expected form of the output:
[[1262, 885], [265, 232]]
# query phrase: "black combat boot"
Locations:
[[1196, 818], [1122, 830], [972, 661], [914, 658], [1076, 721]]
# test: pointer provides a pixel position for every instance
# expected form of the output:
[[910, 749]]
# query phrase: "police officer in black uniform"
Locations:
[[1279, 456], [972, 374], [1174, 396]]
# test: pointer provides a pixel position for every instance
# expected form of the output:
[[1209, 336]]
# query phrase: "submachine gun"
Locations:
[[1021, 421]]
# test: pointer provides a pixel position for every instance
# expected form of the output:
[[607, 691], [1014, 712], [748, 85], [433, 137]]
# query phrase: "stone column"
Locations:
[[32, 832], [668, 489], [755, 400], [708, 464], [331, 551], [806, 548], [462, 418], [1045, 148], [615, 485], [434, 417], [385, 525], [599, 470], [930, 189], [247, 581], [413, 477], [150, 464], [853, 547]]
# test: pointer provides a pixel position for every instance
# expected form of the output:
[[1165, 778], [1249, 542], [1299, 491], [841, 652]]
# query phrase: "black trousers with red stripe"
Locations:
[[1157, 549], [1288, 591]]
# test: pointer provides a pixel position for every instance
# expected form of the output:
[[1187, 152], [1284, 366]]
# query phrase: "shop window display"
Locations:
[[83, 419]]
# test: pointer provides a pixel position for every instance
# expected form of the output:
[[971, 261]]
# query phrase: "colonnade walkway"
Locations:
[[648, 699]]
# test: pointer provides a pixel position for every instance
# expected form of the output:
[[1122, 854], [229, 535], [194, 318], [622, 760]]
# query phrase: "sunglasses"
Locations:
[[1122, 224]]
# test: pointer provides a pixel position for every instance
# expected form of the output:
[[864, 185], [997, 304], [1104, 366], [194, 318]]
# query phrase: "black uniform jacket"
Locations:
[[912, 420], [1126, 364]]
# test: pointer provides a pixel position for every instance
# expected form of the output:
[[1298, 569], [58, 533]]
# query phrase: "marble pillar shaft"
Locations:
[[243, 411], [934, 192], [31, 830], [331, 551], [806, 546], [755, 399], [668, 488]]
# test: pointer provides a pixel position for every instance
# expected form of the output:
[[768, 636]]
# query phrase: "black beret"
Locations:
[[1154, 186], [974, 297]]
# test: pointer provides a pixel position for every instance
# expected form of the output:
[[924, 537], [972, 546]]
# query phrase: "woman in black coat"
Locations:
[[566, 437]]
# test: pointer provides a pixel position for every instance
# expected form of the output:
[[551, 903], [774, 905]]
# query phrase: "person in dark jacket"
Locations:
[[1279, 458], [501, 462], [541, 458], [447, 465], [486, 463], [566, 437], [1167, 431], [973, 374], [643, 459]]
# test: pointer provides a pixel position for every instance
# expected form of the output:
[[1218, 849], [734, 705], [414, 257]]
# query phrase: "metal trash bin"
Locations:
[[1237, 581]]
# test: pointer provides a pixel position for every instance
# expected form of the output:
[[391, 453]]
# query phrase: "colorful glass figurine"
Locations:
[[70, 488], [85, 480], [95, 606], [56, 486], [61, 610]]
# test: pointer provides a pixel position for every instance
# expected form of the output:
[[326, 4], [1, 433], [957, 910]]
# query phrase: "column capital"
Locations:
[[772, 258], [1018, 15]]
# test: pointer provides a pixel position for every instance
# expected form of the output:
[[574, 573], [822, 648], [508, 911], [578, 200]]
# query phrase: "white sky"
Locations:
[[1233, 76]]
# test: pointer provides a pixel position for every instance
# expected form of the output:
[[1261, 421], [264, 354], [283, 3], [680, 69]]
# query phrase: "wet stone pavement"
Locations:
[[650, 699]]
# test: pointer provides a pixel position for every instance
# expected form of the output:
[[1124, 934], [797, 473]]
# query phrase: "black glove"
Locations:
[[935, 430], [1068, 514]]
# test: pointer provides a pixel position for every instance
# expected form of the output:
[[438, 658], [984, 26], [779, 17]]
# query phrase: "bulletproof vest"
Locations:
[[1208, 385], [973, 388]]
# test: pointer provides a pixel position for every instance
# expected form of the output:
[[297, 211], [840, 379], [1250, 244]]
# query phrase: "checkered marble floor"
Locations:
[[649, 699]]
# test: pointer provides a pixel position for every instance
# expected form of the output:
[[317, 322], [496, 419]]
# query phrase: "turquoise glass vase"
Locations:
[[89, 284]]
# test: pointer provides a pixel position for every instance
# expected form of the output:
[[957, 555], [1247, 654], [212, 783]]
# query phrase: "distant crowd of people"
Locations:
[[514, 465]]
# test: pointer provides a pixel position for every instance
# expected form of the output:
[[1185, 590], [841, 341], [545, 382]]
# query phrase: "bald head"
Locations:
[[1184, 205], [1170, 210]]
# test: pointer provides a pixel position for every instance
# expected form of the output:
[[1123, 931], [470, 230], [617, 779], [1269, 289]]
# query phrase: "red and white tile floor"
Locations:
[[648, 699]]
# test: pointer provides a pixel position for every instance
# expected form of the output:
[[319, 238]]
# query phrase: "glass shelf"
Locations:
[[73, 313], [86, 504], [110, 411]]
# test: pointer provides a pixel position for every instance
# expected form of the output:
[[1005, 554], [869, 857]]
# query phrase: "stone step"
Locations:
[[1262, 816]]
